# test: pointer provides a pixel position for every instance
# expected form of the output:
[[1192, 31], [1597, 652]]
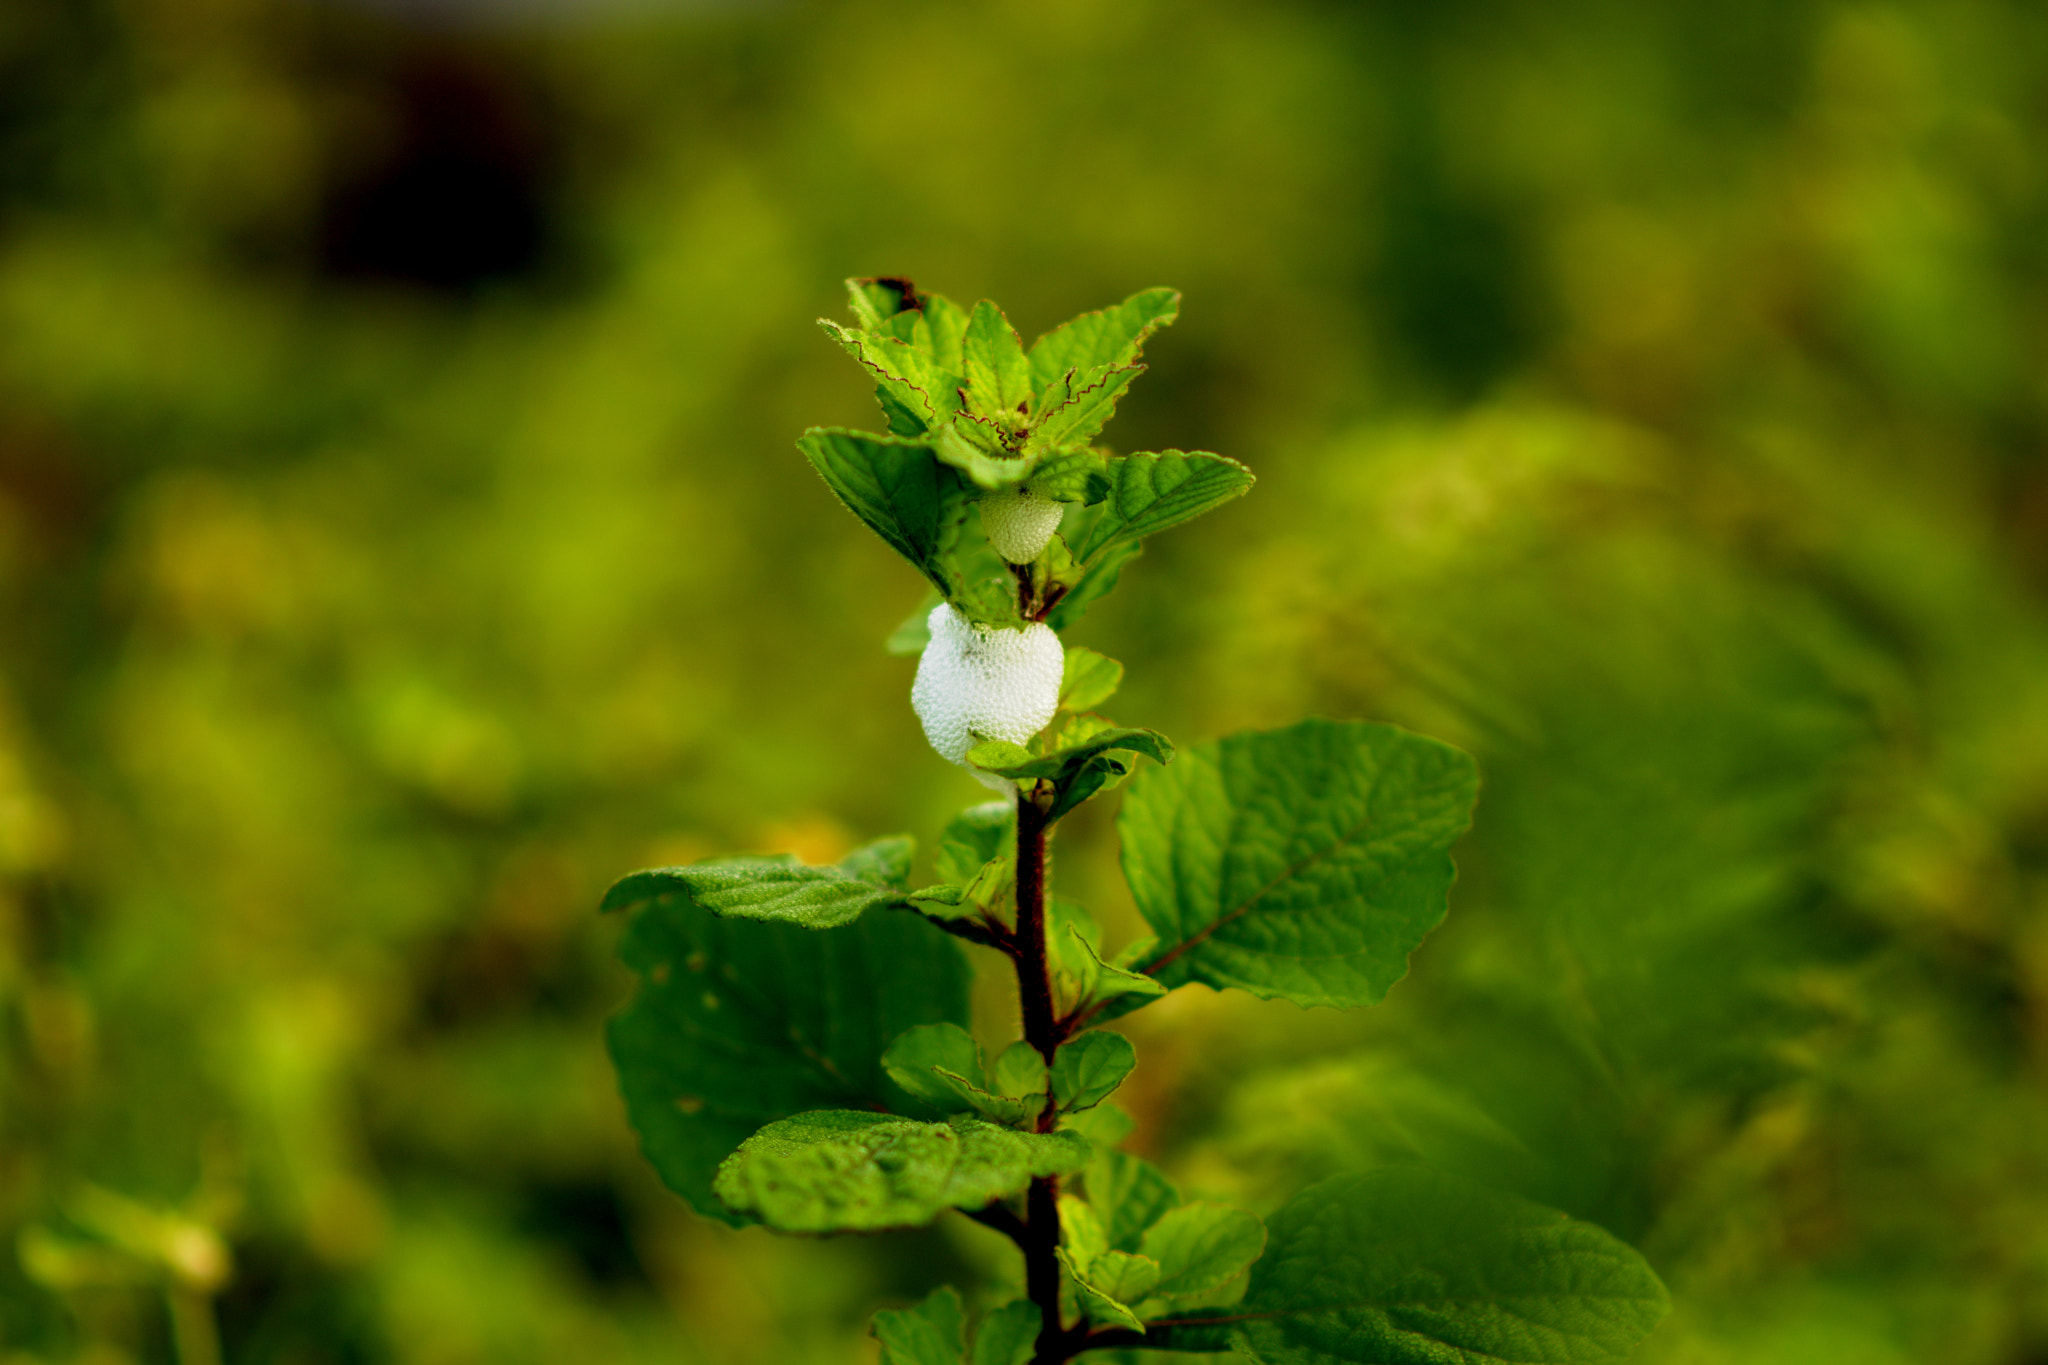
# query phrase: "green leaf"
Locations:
[[932, 323], [845, 1171], [1070, 474], [909, 638], [987, 466], [898, 488], [1100, 1302], [1079, 404], [1302, 864], [1090, 679], [1111, 336], [1131, 1194], [913, 1059], [877, 300], [932, 1333], [1105, 1125], [998, 375], [1020, 1070], [1088, 1069], [1151, 492], [886, 860], [736, 1023], [904, 375], [1014, 1092], [1202, 1247], [1077, 770], [1081, 1231], [1008, 1335], [974, 836], [779, 888], [1115, 991], [1080, 585], [1406, 1266]]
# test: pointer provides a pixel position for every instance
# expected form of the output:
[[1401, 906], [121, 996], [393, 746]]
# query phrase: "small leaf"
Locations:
[[735, 1023], [1012, 1111], [1020, 1070], [1078, 405], [975, 452], [910, 637], [1115, 991], [877, 301], [886, 860], [932, 1333], [1083, 584], [898, 488], [1150, 493], [992, 359], [1070, 474], [1008, 1335], [1110, 336], [1105, 1125], [974, 836], [905, 375], [846, 1171], [1081, 1231], [1405, 1266], [778, 889], [1302, 864], [1077, 770], [1014, 1092], [1202, 1247], [916, 1054], [1100, 1305], [1090, 679], [1131, 1194], [1087, 1070]]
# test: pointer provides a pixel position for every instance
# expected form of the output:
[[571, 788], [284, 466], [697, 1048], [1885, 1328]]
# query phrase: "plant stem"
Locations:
[[1041, 1030]]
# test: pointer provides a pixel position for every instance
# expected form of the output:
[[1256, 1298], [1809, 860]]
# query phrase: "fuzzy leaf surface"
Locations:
[[896, 486], [849, 1171], [1007, 1336], [779, 888], [1301, 864], [737, 1023], [1405, 1266], [932, 1333]]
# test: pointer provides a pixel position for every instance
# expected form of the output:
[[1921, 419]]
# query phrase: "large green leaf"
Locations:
[[1088, 1069], [998, 376], [778, 888], [1110, 336], [1008, 1335], [1151, 492], [1078, 404], [933, 1332], [1406, 1266], [898, 487], [1201, 1247], [1302, 864], [738, 1023], [847, 1171]]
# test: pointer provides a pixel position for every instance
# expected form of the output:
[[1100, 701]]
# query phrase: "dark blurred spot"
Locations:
[[456, 198], [587, 1222], [284, 1306], [1456, 282]]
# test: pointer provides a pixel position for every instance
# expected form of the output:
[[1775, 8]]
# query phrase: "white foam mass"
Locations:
[[1020, 523], [1000, 684]]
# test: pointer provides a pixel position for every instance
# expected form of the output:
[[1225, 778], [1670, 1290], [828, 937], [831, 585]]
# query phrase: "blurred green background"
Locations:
[[401, 537]]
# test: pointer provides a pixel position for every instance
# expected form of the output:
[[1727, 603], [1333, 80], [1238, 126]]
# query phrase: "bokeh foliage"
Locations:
[[400, 537]]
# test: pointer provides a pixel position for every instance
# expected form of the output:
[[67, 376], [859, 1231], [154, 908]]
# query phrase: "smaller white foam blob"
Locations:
[[1020, 523], [1000, 684]]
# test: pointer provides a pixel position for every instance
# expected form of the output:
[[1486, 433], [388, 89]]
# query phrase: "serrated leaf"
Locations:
[[933, 324], [1081, 1230], [1110, 336], [736, 1023], [1014, 1091], [932, 1333], [1088, 1069], [1101, 1305], [899, 488], [779, 888], [846, 1171], [914, 1057], [974, 836], [1012, 1111], [1079, 404], [1201, 1247], [908, 376], [1302, 864], [1077, 770], [1130, 1194], [877, 300], [992, 360], [1406, 1266], [1090, 679], [1152, 492], [1008, 1335], [910, 637], [1070, 937]]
